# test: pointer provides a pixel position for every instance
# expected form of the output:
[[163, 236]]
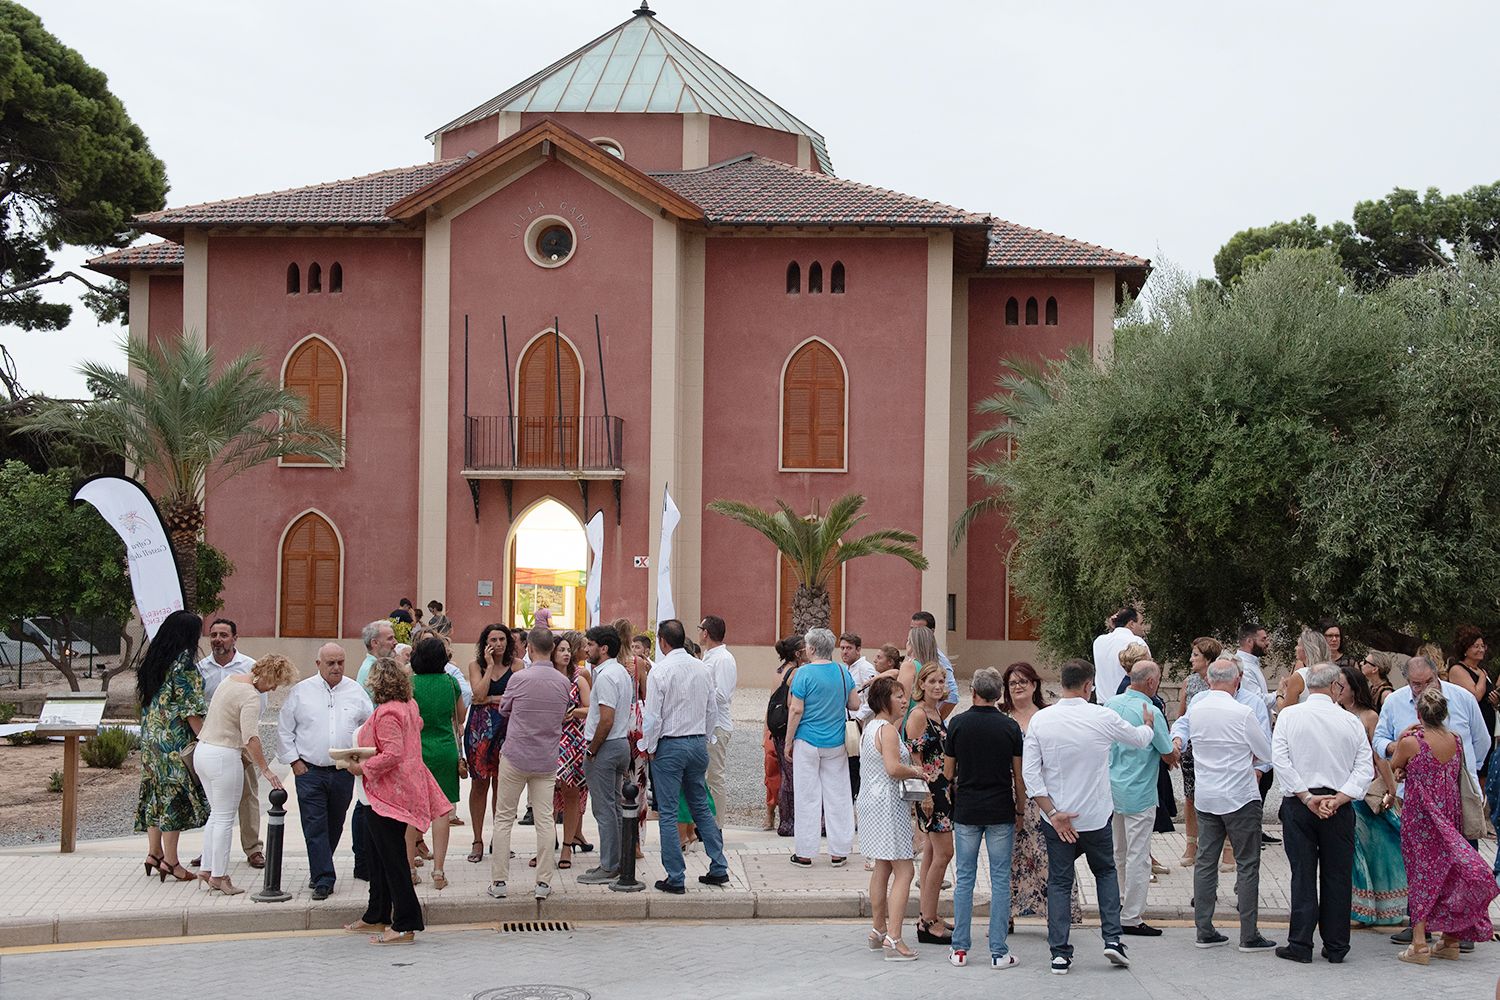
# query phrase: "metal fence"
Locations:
[[588, 444]]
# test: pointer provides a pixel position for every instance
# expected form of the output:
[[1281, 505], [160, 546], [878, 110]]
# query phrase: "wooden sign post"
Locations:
[[71, 714]]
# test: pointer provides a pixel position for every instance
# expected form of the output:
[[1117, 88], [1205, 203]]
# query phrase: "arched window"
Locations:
[[789, 592], [314, 371], [548, 423], [1020, 623], [813, 408], [836, 278], [793, 279], [815, 279], [1031, 311], [336, 277], [311, 579], [314, 278], [1051, 311], [293, 279], [1012, 312]]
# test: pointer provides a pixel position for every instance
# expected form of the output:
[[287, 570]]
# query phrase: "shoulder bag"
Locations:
[[1472, 800], [851, 729]]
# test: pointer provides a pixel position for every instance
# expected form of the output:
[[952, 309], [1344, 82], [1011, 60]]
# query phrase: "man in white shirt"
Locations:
[[225, 661], [1109, 675], [1228, 740], [606, 761], [321, 714], [682, 703], [863, 672], [1323, 763], [1253, 645], [1065, 762], [721, 667]]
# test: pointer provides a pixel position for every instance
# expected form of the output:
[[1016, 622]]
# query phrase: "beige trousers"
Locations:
[[539, 787]]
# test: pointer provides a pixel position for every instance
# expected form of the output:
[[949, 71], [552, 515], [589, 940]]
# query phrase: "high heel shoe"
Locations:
[[1415, 955], [152, 864], [896, 950], [1189, 853], [581, 845], [925, 933], [163, 870]]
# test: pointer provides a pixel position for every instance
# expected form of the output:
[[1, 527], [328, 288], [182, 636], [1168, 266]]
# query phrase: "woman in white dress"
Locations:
[[885, 818]]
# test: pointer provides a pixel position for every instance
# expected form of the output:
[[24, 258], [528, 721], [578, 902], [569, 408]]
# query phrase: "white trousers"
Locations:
[[820, 778], [1133, 862], [223, 777]]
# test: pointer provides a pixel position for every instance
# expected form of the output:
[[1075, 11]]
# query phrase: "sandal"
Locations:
[[178, 872], [897, 951], [404, 937], [1448, 951], [566, 860], [360, 927], [876, 940], [439, 879], [583, 846], [152, 864], [1415, 955], [476, 855], [416, 877], [1189, 853], [925, 934], [423, 851]]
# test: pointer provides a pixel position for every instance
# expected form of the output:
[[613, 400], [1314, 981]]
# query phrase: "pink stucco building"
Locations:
[[766, 329]]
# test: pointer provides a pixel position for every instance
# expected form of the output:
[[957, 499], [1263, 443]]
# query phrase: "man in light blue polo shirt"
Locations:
[[1132, 784]]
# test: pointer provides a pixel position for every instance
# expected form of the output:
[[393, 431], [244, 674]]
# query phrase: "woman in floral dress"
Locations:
[[1028, 864], [570, 796], [1449, 886], [926, 739], [496, 657], [170, 691]]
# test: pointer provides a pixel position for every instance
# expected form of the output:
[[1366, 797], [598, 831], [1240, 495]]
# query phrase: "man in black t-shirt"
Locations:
[[984, 764]]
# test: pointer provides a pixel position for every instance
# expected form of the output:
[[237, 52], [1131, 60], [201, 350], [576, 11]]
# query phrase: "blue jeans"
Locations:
[[323, 796], [1000, 839], [680, 768], [1098, 846]]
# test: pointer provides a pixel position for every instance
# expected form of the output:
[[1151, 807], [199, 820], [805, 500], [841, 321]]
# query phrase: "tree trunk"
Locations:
[[810, 608], [1385, 637], [184, 523], [127, 660]]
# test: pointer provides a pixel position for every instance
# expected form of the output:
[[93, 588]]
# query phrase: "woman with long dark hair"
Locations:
[[1379, 873], [495, 658], [793, 653], [571, 796], [170, 691]]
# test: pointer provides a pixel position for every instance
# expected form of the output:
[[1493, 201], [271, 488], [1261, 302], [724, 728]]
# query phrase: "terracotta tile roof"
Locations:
[[356, 201], [1020, 246], [755, 190], [152, 255]]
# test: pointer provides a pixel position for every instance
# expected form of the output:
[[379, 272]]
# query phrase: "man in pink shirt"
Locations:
[[535, 703]]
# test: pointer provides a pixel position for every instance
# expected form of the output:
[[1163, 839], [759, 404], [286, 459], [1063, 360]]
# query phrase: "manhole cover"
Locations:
[[534, 991]]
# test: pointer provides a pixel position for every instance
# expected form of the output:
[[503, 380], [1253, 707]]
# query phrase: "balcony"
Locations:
[[581, 449]]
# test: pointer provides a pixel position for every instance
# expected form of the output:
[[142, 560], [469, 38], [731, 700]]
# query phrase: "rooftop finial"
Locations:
[[644, 10]]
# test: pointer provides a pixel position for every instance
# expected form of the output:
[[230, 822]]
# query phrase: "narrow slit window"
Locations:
[[293, 279], [815, 279], [1051, 311], [836, 278], [336, 277], [793, 279], [1030, 309], [1012, 312], [314, 278]]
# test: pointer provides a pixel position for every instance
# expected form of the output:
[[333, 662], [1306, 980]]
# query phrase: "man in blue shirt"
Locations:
[[919, 619], [1132, 783]]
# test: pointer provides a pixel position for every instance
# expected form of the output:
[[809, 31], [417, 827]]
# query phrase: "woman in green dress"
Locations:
[[170, 691], [442, 708]]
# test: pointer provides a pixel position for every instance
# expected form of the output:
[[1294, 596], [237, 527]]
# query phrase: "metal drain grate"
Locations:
[[534, 991], [534, 927]]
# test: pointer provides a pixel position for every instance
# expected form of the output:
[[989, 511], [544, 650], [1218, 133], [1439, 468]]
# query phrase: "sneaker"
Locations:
[[958, 958], [800, 861], [1061, 965], [1003, 962], [597, 876], [1257, 945], [1141, 929], [497, 890], [1269, 838], [1115, 952], [1213, 940], [322, 892], [1402, 937], [1464, 947], [714, 879], [662, 885], [838, 862], [543, 890]]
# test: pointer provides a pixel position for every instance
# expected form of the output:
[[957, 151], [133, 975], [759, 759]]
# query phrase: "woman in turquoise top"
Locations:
[[442, 708]]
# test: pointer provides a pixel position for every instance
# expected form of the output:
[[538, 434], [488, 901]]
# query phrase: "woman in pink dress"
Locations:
[[1449, 886], [402, 794]]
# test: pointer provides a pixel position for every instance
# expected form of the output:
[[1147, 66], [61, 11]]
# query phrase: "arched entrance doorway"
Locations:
[[548, 565]]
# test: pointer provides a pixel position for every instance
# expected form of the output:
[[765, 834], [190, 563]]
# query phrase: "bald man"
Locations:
[[321, 714]]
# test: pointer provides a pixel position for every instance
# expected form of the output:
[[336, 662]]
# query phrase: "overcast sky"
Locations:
[[1155, 128]]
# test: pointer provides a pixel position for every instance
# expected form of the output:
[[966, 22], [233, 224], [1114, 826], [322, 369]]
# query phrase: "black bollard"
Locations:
[[630, 817], [271, 892]]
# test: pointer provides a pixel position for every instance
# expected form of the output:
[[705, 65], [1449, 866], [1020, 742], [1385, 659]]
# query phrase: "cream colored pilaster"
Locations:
[[666, 289], [937, 426], [510, 124], [139, 330], [694, 141], [1104, 316], [687, 576], [195, 286], [432, 460], [804, 152], [958, 461]]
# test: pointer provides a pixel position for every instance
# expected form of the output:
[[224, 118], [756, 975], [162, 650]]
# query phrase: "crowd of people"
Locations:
[[1380, 808]]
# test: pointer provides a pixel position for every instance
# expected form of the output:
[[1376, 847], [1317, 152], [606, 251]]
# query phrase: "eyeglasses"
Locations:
[[1014, 685]]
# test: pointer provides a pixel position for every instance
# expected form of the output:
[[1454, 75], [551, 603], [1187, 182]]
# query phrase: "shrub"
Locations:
[[29, 739], [55, 783], [109, 747], [7, 712]]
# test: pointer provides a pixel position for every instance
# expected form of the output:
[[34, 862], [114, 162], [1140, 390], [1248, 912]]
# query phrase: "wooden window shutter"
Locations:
[[315, 373], [789, 590], [812, 418], [310, 596], [1020, 622], [542, 415]]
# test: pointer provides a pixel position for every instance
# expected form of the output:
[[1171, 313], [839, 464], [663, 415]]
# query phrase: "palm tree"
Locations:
[[1023, 393], [188, 429], [816, 546]]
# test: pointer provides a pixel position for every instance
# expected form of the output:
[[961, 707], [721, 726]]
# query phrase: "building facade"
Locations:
[[631, 272]]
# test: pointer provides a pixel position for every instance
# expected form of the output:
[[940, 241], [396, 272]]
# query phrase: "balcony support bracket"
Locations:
[[474, 493], [583, 487], [617, 501], [510, 499]]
